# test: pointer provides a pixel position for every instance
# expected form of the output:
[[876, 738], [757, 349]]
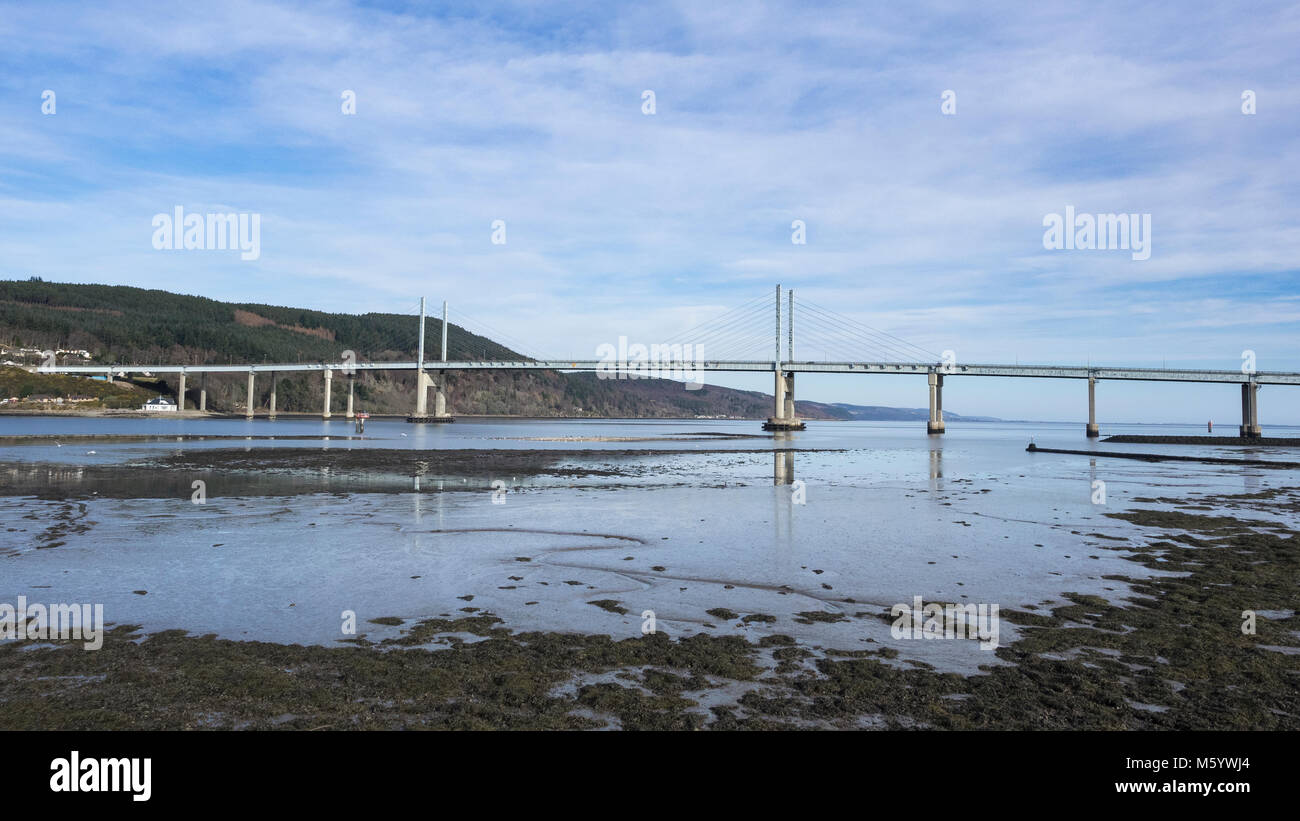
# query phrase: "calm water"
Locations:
[[872, 512]]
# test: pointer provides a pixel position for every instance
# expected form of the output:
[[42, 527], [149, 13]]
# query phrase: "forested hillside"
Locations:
[[121, 324]]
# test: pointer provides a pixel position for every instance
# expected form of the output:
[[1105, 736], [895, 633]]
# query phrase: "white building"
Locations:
[[159, 403]]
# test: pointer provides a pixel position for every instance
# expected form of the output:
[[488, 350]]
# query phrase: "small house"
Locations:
[[159, 403]]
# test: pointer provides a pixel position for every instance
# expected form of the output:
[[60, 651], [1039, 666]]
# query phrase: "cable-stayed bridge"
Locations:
[[758, 336]]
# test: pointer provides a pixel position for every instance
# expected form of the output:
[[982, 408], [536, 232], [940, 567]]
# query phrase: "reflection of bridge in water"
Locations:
[[783, 464], [732, 340]]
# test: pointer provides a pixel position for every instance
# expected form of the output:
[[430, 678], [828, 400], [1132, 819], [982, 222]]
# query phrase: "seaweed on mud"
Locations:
[[810, 616], [637, 711]]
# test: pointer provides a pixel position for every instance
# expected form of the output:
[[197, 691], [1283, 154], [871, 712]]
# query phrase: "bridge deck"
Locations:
[[736, 366]]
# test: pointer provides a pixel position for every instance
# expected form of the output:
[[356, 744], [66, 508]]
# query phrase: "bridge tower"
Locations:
[[783, 417], [423, 381]]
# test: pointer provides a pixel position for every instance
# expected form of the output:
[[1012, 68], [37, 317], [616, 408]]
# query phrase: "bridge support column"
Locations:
[[423, 382], [248, 406], [1092, 431], [1250, 411], [271, 413], [203, 392], [440, 396], [329, 382], [352, 381], [935, 425], [180, 394], [783, 407]]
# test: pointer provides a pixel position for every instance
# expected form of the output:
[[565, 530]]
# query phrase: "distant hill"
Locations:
[[878, 413], [119, 324]]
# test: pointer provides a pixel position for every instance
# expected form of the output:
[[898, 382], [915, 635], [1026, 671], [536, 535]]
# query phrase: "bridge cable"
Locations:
[[885, 338]]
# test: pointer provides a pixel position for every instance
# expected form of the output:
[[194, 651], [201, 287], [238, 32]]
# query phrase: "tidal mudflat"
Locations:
[[493, 585]]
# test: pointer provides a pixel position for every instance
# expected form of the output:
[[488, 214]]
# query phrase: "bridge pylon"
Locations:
[[783, 417], [423, 381]]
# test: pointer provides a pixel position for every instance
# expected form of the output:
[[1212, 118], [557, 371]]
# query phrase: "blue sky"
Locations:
[[926, 225]]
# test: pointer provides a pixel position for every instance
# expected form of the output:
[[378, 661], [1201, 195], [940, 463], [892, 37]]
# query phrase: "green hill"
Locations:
[[121, 324]]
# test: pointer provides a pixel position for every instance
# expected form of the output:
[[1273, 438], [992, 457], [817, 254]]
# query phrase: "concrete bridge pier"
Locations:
[[352, 381], [248, 407], [271, 413], [783, 407], [440, 396], [1250, 411], [180, 393], [423, 383], [203, 392], [935, 425], [1092, 431], [329, 381]]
